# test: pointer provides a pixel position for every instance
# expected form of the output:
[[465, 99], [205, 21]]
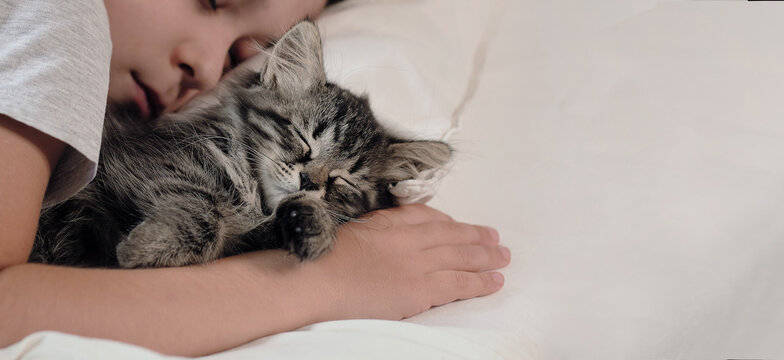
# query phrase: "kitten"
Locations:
[[279, 161]]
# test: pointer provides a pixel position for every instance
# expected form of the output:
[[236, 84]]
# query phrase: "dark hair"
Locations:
[[332, 2]]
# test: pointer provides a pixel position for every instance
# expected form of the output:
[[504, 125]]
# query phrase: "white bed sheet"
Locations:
[[339, 340]]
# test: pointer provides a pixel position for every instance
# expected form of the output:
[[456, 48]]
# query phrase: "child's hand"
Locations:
[[401, 262]]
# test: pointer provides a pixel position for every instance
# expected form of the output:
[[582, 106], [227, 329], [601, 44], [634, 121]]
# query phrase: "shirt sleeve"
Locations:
[[54, 77]]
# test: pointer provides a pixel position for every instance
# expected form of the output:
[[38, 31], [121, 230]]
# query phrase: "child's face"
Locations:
[[167, 51]]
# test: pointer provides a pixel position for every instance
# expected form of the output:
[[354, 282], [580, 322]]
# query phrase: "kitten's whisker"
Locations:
[[342, 219]]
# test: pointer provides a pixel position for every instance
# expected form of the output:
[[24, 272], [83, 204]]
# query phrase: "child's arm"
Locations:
[[397, 264], [27, 157], [386, 268]]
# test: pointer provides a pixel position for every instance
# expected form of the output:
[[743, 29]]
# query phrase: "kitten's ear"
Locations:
[[295, 63], [408, 158]]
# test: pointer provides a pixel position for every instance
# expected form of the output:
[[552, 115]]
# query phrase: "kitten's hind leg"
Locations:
[[173, 237]]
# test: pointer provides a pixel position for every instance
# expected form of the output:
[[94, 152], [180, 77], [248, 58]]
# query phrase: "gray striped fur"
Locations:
[[280, 161]]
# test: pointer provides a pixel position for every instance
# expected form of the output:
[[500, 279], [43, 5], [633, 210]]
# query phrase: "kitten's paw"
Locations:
[[306, 228], [159, 244], [145, 246]]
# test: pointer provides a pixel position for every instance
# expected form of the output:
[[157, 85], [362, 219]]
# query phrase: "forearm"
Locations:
[[384, 268], [185, 311]]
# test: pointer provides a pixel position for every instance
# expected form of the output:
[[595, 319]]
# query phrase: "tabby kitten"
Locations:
[[279, 161]]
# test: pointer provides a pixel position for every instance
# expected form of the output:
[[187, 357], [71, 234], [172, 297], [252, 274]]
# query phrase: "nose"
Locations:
[[201, 61], [305, 183]]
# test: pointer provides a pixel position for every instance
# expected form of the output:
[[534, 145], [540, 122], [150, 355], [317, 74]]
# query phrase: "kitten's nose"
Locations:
[[305, 183]]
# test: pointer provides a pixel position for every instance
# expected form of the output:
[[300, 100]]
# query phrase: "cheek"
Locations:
[[314, 7], [349, 201], [278, 180], [248, 48], [128, 52], [120, 87], [131, 26]]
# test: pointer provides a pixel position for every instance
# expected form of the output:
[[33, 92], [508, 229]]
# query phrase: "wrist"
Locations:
[[279, 292]]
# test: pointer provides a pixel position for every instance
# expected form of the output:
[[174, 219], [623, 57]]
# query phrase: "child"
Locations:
[[58, 62]]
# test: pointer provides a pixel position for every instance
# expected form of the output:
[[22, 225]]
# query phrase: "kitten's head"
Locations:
[[324, 141]]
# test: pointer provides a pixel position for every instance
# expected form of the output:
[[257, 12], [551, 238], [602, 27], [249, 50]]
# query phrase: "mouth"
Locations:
[[147, 99]]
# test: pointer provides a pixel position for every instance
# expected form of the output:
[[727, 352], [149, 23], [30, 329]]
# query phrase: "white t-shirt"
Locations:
[[54, 77]]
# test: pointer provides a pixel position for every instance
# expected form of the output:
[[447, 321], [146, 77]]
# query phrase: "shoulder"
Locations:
[[55, 59], [54, 30], [30, 18], [54, 71]]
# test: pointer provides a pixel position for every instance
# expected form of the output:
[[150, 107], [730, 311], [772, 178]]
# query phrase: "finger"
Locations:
[[434, 234], [466, 258], [449, 286], [406, 215]]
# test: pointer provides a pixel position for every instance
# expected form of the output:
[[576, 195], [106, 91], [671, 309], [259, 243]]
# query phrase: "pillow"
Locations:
[[418, 70], [415, 67]]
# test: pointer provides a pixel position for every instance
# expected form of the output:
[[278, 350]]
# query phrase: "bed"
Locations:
[[630, 154]]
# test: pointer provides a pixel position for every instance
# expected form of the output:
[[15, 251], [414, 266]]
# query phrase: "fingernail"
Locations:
[[497, 277], [505, 253], [494, 234]]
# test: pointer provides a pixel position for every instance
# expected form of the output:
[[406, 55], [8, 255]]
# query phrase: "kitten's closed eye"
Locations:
[[342, 182], [302, 155], [341, 178], [307, 150]]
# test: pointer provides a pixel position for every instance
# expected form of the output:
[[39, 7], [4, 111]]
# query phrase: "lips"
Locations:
[[147, 99]]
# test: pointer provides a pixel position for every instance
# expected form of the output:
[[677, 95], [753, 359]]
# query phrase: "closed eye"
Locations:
[[212, 5], [308, 155], [341, 177], [308, 150], [341, 181]]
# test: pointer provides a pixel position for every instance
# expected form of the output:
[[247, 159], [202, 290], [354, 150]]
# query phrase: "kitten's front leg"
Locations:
[[174, 236], [306, 228]]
